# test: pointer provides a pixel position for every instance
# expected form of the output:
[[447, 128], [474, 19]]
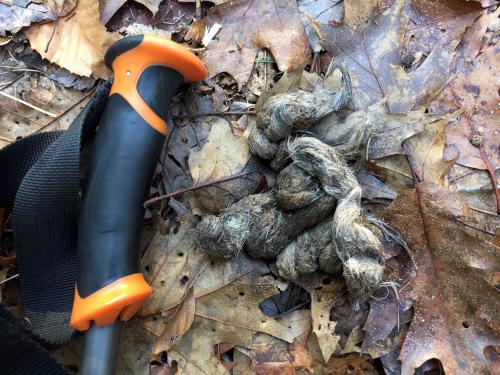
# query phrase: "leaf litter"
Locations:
[[422, 115]]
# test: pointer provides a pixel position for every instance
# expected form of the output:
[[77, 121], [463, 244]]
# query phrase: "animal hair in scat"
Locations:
[[357, 247]]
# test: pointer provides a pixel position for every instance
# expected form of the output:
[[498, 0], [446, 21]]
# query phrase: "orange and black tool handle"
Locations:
[[147, 72]]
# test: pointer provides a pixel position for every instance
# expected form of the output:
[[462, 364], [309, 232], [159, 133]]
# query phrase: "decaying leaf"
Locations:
[[75, 42], [455, 308], [373, 57], [225, 154], [248, 26], [178, 324]]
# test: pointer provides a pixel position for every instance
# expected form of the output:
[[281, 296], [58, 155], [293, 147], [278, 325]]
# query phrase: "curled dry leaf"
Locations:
[[455, 307], [249, 26], [75, 42], [177, 325]]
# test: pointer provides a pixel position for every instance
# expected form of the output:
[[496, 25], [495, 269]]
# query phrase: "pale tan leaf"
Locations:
[[321, 303], [425, 152], [75, 42], [178, 325]]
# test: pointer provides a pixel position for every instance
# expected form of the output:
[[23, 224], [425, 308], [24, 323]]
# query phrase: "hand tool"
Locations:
[[147, 72]]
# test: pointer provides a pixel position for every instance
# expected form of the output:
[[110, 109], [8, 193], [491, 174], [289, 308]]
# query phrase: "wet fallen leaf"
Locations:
[[454, 306], [177, 325], [225, 154], [14, 17], [373, 58], [248, 26], [75, 42]]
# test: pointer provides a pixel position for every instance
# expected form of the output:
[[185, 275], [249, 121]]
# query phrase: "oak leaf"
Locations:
[[455, 307], [247, 27], [373, 57]]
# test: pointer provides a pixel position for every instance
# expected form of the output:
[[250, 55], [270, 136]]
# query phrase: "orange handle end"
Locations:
[[124, 297]]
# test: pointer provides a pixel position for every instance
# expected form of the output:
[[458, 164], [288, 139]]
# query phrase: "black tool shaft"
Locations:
[[100, 349]]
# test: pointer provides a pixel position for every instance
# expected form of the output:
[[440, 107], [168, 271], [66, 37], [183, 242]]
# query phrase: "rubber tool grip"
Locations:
[[148, 70]]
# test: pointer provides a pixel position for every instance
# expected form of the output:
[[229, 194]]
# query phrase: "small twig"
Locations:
[[215, 114], [9, 278], [476, 228], [154, 200], [28, 104], [483, 211], [50, 39]]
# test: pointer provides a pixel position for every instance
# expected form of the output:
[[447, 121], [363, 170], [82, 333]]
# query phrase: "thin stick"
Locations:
[[10, 278], [154, 200], [28, 104], [216, 114], [493, 176]]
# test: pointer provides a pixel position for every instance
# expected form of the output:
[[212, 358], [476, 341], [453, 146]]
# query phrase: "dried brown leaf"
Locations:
[[455, 308], [75, 42], [177, 325], [373, 58], [249, 26]]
